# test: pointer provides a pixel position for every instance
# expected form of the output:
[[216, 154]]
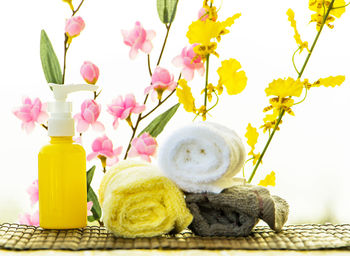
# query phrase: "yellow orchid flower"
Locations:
[[270, 180], [185, 96], [235, 81]]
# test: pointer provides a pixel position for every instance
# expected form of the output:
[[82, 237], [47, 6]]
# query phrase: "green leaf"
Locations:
[[90, 175], [96, 209], [167, 10], [158, 124], [49, 61]]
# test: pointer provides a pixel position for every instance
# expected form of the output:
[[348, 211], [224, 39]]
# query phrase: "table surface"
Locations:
[[174, 253], [310, 239]]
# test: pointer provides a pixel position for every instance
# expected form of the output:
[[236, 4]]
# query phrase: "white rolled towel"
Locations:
[[202, 157]]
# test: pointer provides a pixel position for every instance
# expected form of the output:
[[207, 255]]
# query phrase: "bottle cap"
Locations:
[[61, 122]]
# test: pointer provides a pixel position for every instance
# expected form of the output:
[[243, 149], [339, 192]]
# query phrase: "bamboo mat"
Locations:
[[292, 237]]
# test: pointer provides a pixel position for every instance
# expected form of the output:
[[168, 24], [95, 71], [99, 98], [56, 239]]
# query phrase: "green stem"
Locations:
[[266, 146], [299, 76], [66, 47], [140, 117], [164, 43], [149, 65], [295, 67], [206, 81], [303, 98], [76, 10]]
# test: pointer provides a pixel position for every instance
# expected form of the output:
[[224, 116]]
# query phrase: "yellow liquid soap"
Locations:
[[62, 184]]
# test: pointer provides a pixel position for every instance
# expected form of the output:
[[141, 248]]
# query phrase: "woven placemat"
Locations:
[[293, 237]]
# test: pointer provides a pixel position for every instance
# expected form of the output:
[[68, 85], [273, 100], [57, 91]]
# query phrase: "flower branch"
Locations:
[[282, 111]]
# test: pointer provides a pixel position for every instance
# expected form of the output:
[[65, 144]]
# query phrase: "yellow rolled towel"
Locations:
[[138, 201]]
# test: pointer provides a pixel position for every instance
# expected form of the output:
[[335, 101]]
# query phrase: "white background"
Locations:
[[310, 154]]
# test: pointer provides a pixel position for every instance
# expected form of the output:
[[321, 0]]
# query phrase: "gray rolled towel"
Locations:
[[235, 211]]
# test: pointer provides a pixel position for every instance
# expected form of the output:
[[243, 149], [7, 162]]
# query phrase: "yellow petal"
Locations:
[[271, 117], [252, 136], [330, 81], [230, 21], [297, 38], [185, 96], [202, 32], [321, 6], [285, 87], [235, 81], [270, 180]]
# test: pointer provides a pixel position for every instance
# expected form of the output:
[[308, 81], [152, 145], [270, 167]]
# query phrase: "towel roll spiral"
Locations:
[[202, 157], [138, 201]]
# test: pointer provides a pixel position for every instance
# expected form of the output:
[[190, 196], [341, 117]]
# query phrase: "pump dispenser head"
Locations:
[[61, 122]]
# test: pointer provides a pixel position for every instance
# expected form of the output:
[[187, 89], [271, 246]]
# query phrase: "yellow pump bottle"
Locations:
[[62, 184], [62, 167]]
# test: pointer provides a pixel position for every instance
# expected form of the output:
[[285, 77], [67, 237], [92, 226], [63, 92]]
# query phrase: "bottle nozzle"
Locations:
[[61, 122], [61, 91]]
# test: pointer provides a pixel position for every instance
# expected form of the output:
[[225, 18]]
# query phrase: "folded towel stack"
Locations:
[[202, 157], [138, 201], [235, 211]]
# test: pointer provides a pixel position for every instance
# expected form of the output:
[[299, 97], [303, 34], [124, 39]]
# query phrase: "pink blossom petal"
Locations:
[[150, 34], [107, 145], [177, 61], [115, 123], [201, 70], [133, 152], [187, 73], [138, 109], [126, 113], [151, 150], [43, 116], [33, 191], [154, 96], [139, 145], [111, 161], [28, 127], [89, 207], [98, 126], [148, 89], [133, 53], [147, 47], [146, 158], [117, 151], [88, 115], [82, 126], [91, 156], [130, 100]]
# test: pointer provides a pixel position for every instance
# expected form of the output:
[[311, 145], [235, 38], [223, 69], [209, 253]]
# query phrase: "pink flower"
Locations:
[[33, 192], [102, 147], [138, 39], [27, 219], [122, 109], [188, 63], [161, 80], [90, 111], [143, 146], [31, 112], [74, 26], [89, 207], [89, 72], [202, 14]]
